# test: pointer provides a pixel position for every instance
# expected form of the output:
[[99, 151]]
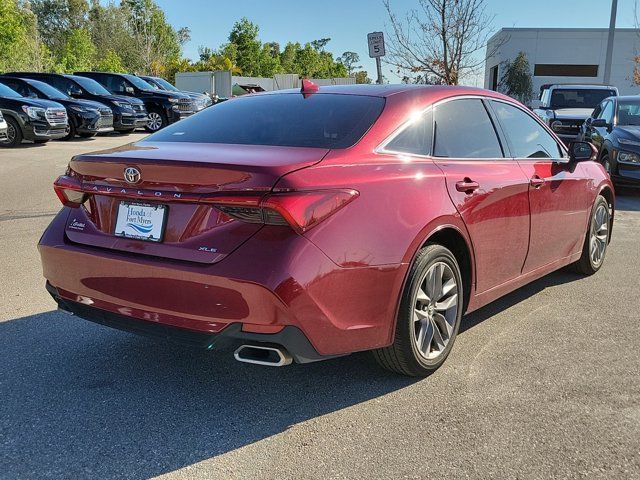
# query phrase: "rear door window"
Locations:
[[528, 139], [463, 129], [282, 119], [64, 85], [415, 138]]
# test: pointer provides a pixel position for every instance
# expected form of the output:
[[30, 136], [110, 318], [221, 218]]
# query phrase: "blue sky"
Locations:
[[347, 22]]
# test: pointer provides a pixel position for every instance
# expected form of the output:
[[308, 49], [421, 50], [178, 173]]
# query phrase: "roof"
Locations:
[[580, 86], [558, 30], [387, 90]]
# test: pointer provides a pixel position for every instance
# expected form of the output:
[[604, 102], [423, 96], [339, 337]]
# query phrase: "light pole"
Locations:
[[612, 32]]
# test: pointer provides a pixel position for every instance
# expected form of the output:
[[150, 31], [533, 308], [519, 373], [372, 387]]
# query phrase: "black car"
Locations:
[[128, 113], [164, 107], [86, 117], [614, 128], [201, 100], [28, 119]]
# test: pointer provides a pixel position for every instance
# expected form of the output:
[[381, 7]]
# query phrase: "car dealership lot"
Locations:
[[542, 383]]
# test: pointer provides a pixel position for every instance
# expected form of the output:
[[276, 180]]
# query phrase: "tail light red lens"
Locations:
[[69, 191], [300, 210]]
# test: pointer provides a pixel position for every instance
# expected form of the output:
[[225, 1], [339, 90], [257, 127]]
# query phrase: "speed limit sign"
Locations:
[[376, 44]]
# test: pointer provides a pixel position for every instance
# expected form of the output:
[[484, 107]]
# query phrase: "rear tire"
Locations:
[[596, 240], [14, 134], [429, 316]]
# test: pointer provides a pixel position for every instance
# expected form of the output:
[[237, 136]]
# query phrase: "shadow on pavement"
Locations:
[[80, 400], [83, 401]]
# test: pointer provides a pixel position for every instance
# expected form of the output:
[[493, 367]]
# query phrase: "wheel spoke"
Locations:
[[443, 325], [449, 287], [425, 345], [422, 297], [448, 303], [437, 338], [434, 281]]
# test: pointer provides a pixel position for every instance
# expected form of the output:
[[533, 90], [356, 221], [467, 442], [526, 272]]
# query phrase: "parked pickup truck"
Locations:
[[565, 107]]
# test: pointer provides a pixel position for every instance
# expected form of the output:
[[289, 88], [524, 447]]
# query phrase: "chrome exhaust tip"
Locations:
[[261, 355]]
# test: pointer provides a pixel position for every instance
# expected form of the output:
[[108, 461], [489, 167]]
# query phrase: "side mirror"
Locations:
[[599, 123], [129, 90], [536, 104], [582, 152]]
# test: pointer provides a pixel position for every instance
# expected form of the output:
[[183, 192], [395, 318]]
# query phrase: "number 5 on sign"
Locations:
[[376, 44]]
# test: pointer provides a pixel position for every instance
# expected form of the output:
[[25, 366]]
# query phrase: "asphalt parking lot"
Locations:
[[543, 383]]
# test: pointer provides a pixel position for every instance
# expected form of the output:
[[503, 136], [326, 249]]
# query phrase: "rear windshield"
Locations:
[[579, 98], [288, 120]]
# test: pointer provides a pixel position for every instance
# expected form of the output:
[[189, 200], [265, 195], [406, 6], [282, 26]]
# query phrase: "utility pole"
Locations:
[[612, 33]]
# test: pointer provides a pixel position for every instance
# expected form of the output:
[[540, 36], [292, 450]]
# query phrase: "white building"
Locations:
[[565, 55]]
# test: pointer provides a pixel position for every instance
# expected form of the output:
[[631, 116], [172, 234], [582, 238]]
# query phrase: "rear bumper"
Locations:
[[270, 283], [290, 338]]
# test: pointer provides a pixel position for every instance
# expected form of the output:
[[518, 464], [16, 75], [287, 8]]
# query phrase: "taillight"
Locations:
[[300, 210], [69, 191]]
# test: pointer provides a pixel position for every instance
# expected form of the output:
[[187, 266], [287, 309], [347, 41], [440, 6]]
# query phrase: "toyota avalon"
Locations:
[[309, 224]]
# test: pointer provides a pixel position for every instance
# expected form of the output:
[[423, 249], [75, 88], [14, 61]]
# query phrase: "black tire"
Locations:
[[404, 356], [157, 121], [587, 265], [71, 132], [14, 134], [87, 135]]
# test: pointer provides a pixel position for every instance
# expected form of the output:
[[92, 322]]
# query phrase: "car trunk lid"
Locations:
[[183, 180]]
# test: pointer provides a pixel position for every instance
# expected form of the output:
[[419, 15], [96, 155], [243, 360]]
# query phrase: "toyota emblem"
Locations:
[[132, 175]]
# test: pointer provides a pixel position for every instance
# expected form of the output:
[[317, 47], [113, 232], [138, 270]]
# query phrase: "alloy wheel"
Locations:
[[435, 310], [155, 121], [11, 133], [599, 235]]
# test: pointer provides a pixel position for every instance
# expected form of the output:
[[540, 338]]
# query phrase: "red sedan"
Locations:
[[311, 224]]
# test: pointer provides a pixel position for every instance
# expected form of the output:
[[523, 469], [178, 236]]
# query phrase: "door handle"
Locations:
[[536, 181], [467, 186]]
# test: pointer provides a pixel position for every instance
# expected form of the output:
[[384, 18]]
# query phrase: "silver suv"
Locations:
[[565, 107]]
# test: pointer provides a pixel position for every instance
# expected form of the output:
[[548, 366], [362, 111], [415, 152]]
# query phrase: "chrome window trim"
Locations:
[[380, 149], [563, 159]]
